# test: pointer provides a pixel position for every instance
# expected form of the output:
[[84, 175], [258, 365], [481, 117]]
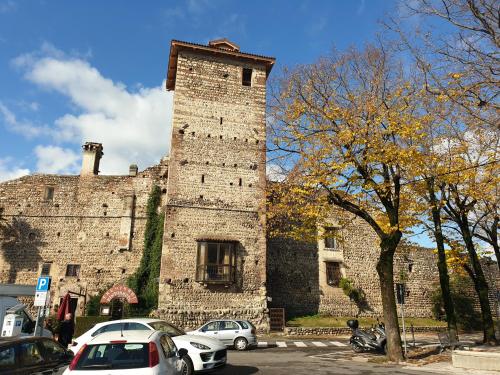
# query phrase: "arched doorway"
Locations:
[[114, 301]]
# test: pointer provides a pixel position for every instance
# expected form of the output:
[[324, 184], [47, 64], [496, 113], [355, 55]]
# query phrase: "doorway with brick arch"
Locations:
[[116, 300]]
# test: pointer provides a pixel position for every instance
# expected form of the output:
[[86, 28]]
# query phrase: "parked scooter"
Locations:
[[362, 340]]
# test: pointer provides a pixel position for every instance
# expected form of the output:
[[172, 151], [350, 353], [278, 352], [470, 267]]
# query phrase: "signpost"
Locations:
[[41, 299], [400, 295]]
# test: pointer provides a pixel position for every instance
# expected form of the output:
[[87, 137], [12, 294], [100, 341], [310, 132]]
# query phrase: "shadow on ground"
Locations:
[[239, 370]]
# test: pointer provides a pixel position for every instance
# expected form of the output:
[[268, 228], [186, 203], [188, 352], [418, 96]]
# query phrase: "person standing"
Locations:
[[66, 330]]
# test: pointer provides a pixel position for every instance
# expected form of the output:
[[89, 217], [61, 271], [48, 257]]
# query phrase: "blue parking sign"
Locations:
[[43, 284]]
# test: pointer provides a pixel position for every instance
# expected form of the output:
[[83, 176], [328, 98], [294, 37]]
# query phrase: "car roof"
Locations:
[[5, 340], [136, 336], [130, 320]]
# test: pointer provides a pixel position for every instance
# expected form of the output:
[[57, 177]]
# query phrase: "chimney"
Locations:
[[132, 170], [92, 153]]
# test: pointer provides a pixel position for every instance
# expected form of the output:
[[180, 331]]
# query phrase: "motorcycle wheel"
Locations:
[[356, 347], [384, 348]]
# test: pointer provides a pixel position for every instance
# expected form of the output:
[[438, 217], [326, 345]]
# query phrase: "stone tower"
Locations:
[[214, 247]]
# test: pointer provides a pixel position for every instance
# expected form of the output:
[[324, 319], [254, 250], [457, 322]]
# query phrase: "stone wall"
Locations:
[[216, 188], [296, 270], [96, 222]]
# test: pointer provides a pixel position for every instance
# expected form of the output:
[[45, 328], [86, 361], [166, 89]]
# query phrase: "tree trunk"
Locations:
[[493, 234], [480, 284], [444, 279], [385, 269]]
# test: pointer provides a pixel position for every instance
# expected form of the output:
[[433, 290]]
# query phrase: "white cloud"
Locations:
[[24, 127], [275, 172], [7, 6], [9, 172], [361, 7], [133, 126], [57, 160]]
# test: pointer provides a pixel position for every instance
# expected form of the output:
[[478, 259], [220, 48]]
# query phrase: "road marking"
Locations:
[[262, 344], [281, 344], [337, 343], [317, 343], [300, 344]]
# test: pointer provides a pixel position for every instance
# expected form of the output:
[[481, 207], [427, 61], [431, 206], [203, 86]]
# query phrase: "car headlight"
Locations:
[[197, 345]]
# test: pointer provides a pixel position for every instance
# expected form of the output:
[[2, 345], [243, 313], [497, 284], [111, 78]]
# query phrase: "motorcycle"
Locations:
[[362, 340]]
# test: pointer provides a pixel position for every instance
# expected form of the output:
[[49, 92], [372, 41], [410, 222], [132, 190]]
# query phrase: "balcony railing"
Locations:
[[215, 273]]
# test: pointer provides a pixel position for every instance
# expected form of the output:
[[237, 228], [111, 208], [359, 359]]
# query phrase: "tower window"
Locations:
[[221, 120], [241, 182], [247, 77], [202, 178]]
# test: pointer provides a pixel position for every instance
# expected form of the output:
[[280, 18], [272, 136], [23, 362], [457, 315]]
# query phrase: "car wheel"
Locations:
[[241, 343], [187, 366]]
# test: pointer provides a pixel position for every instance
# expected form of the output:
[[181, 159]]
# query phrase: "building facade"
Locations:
[[87, 231]]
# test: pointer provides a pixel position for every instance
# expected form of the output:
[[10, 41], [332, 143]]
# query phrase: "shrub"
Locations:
[[356, 295]]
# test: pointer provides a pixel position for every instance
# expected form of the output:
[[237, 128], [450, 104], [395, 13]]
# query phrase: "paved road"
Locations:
[[306, 361]]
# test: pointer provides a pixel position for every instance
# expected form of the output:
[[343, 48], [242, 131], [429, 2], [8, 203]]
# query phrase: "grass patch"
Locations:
[[330, 321]]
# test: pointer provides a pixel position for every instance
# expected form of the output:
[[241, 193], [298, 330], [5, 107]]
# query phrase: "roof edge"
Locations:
[[176, 45]]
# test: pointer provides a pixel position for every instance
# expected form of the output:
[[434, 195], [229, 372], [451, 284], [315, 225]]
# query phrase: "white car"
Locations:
[[241, 334], [204, 353], [128, 353]]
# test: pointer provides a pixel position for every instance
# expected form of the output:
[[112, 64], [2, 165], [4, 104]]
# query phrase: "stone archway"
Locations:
[[116, 297]]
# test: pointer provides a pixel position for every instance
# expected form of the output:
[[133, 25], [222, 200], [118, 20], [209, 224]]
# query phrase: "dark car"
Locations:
[[32, 355]]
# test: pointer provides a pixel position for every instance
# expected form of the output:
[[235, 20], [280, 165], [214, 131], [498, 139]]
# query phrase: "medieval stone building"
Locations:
[[87, 231]]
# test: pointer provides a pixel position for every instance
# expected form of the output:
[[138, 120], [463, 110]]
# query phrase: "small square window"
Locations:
[[45, 269], [331, 235], [247, 77], [73, 270], [49, 193]]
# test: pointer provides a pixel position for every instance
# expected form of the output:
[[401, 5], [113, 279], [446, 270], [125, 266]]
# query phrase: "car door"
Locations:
[[31, 360], [228, 331], [55, 355], [8, 359], [173, 364], [211, 329]]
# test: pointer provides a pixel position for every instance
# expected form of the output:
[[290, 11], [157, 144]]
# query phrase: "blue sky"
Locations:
[[93, 70], [58, 59]]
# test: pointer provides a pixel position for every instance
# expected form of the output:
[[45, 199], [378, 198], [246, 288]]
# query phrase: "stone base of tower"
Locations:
[[191, 319], [197, 309]]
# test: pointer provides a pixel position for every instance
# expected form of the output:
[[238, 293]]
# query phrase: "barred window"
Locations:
[[333, 274], [73, 270]]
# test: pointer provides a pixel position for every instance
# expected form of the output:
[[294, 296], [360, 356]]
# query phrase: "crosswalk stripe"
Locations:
[[317, 343], [300, 344], [281, 344], [337, 343], [262, 344]]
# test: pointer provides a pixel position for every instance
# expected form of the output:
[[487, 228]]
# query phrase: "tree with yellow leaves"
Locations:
[[348, 129]]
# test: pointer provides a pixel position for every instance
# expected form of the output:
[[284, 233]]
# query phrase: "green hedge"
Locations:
[[84, 323]]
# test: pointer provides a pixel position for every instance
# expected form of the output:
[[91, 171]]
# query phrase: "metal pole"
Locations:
[[404, 329], [36, 321]]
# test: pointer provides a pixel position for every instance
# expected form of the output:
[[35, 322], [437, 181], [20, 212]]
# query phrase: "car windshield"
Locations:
[[169, 329], [114, 356]]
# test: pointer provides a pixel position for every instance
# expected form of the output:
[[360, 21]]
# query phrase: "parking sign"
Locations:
[[43, 284]]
